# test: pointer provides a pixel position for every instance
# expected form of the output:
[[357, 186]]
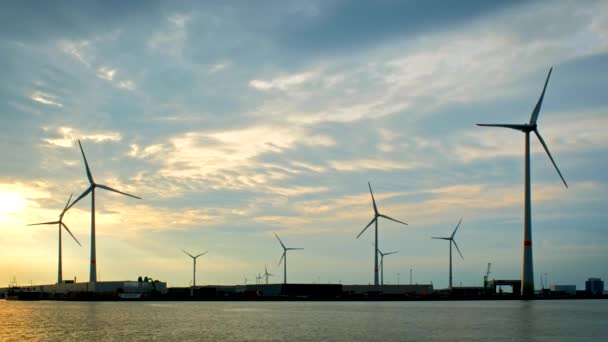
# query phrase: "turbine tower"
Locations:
[[60, 224], [266, 274], [284, 258], [91, 189], [527, 277], [375, 220], [451, 240], [382, 255], [193, 269]]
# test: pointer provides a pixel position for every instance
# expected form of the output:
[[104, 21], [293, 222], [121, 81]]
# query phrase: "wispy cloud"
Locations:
[[45, 98], [370, 164], [68, 136], [171, 40]]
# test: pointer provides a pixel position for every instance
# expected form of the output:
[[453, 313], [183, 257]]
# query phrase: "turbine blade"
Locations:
[[282, 257], [392, 219], [120, 192], [281, 242], [441, 238], [458, 249], [454, 232], [190, 255], [536, 111], [205, 252], [293, 249], [86, 164], [540, 138], [66, 205], [72, 235], [516, 127], [389, 253], [369, 224], [41, 223], [373, 199], [86, 192]]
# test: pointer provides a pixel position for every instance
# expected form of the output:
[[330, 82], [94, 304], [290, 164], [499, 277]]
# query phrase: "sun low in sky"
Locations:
[[237, 120]]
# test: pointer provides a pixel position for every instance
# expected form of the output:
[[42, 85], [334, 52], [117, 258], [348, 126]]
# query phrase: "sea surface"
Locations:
[[564, 320]]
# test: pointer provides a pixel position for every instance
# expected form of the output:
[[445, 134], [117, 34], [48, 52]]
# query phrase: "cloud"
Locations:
[[478, 64], [229, 157], [284, 82], [172, 40], [79, 50], [218, 67], [371, 164], [126, 84], [106, 73], [45, 98], [69, 135]]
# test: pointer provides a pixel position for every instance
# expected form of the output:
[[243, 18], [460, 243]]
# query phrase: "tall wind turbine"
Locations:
[[284, 258], [91, 189], [266, 274], [382, 255], [194, 269], [451, 240], [375, 220], [527, 277], [60, 224]]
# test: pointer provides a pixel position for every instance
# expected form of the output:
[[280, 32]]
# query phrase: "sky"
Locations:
[[234, 120]]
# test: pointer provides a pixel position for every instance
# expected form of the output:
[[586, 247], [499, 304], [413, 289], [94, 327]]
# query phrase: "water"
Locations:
[[566, 320]]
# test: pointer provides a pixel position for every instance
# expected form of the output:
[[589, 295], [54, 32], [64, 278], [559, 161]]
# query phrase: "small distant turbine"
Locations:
[[375, 220], [194, 269], [451, 240], [91, 189], [266, 274], [382, 255], [284, 258], [60, 224], [527, 277]]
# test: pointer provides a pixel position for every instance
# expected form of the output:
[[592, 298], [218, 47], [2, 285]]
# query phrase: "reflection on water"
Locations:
[[565, 320]]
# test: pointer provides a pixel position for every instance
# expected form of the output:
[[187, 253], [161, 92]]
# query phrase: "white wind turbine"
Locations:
[[60, 225], [194, 269], [284, 258], [527, 277], [451, 240], [266, 274], [382, 255], [91, 189], [375, 220]]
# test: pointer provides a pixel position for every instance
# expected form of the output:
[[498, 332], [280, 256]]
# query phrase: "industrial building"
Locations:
[[97, 290], [594, 286], [569, 290]]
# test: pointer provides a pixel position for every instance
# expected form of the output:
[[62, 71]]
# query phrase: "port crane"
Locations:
[[485, 277]]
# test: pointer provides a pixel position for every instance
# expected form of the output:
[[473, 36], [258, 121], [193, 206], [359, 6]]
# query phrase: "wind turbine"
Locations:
[[60, 224], [284, 258], [451, 240], [194, 269], [375, 220], [527, 277], [382, 255], [266, 274], [91, 189]]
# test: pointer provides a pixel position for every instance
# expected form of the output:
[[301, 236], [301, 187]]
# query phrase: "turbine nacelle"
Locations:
[[532, 127], [377, 214], [60, 221]]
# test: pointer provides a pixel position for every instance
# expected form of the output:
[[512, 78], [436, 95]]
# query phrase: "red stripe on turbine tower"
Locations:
[[527, 243]]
